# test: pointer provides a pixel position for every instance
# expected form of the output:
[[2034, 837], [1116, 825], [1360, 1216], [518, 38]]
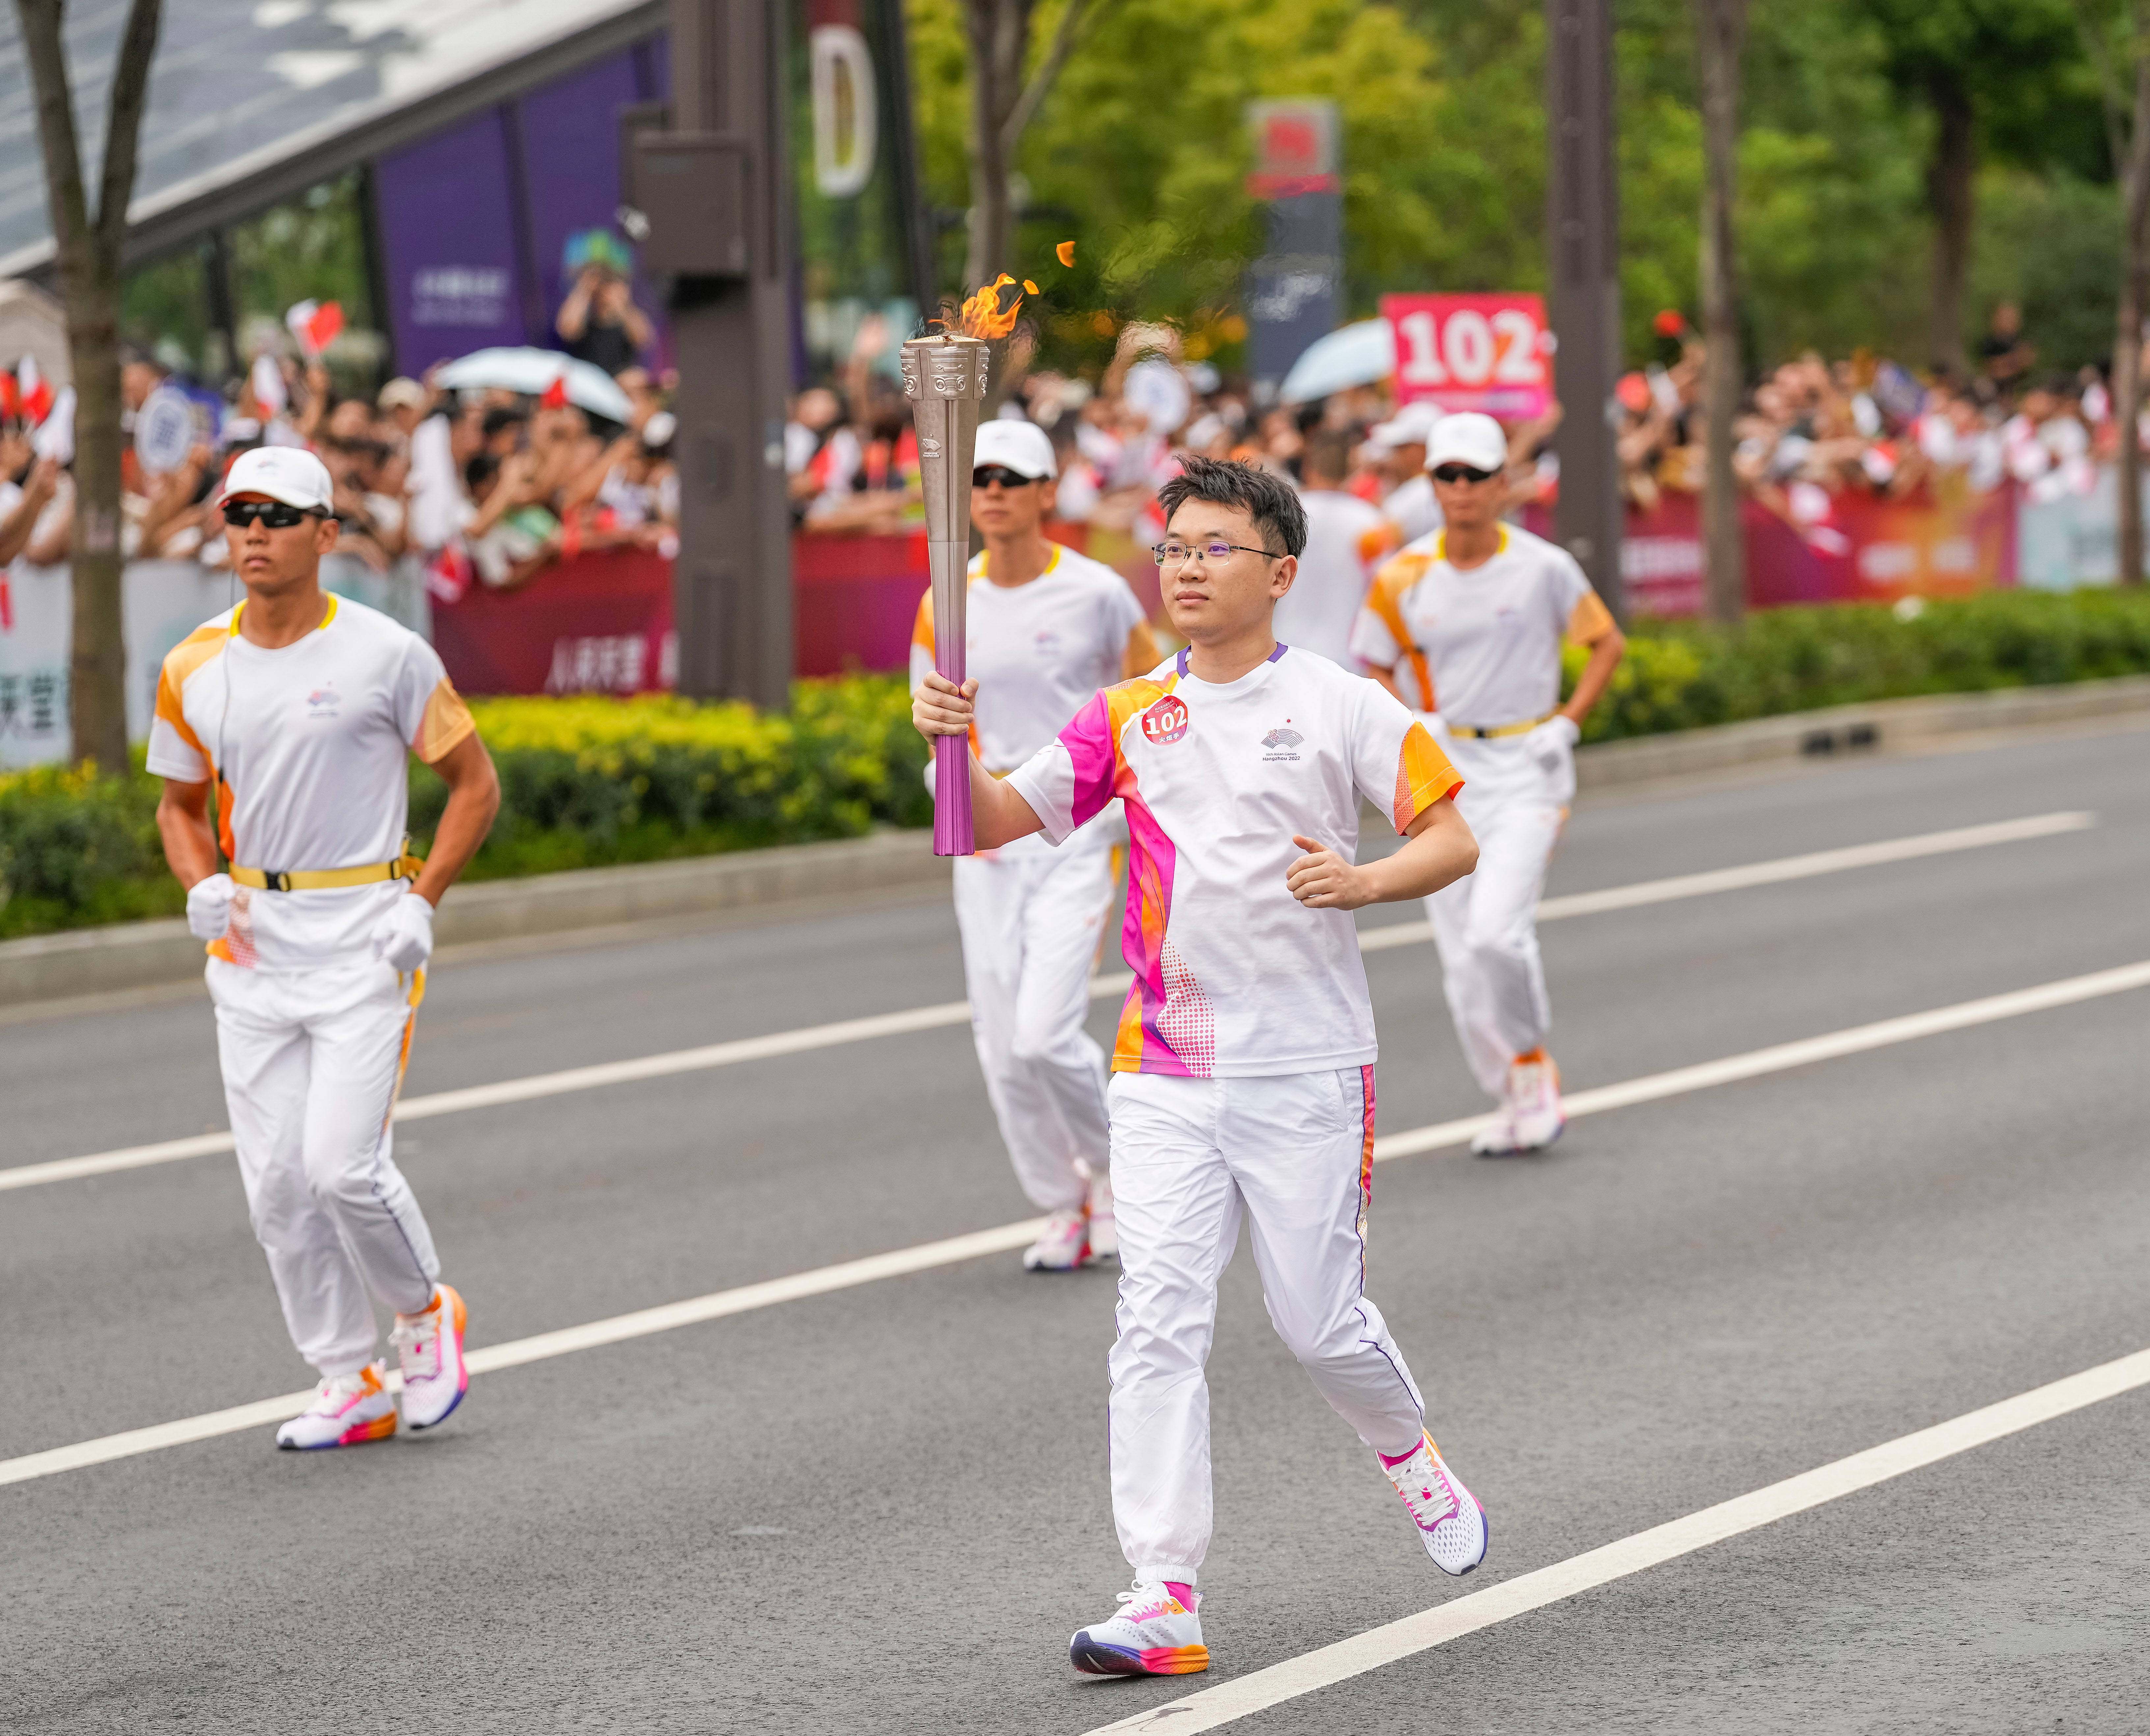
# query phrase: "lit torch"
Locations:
[[944, 376]]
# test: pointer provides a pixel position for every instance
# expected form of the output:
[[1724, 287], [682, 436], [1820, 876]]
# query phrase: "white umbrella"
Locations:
[[532, 373], [1351, 356]]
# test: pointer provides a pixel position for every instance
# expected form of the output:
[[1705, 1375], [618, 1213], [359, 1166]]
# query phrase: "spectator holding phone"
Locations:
[[598, 322]]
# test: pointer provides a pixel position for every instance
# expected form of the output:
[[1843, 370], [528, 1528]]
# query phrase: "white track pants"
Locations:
[[1294, 1153], [1485, 926], [312, 1060], [1030, 916]]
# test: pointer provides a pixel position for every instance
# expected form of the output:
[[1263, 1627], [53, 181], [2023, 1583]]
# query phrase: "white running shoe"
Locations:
[[1534, 1106], [347, 1409], [1064, 1246], [430, 1347], [1105, 1229], [1451, 1523], [1497, 1138], [1154, 1634]]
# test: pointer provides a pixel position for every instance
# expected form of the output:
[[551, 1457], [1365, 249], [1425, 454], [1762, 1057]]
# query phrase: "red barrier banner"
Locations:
[[599, 623]]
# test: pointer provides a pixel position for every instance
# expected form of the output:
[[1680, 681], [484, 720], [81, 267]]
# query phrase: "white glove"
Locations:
[[1553, 740], [208, 907], [404, 940]]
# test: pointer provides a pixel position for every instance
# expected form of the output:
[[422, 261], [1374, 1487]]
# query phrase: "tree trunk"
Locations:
[[2134, 174], [89, 246], [1000, 43], [1720, 34], [1949, 192]]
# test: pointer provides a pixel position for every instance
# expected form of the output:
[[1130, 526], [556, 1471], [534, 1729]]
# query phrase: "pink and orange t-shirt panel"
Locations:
[[1232, 975]]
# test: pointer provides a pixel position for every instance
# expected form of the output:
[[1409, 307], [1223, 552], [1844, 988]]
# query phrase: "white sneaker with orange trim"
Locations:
[[347, 1409], [1451, 1523], [1154, 1634], [1534, 1105], [1064, 1246], [430, 1347]]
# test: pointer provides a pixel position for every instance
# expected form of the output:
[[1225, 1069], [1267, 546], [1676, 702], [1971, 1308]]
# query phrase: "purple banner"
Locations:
[[447, 243]]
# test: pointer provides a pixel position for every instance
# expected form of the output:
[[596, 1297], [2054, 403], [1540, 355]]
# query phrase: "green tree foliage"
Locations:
[[1140, 154]]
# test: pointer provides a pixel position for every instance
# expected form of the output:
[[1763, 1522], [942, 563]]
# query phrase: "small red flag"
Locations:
[[556, 395]]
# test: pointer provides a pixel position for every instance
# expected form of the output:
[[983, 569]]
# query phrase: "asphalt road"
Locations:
[[883, 1510]]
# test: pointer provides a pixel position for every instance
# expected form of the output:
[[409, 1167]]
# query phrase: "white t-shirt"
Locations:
[[1481, 648], [1345, 538], [1234, 976], [307, 744], [1412, 508], [1037, 651]]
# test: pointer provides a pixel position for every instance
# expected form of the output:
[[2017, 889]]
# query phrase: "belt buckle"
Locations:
[[278, 880]]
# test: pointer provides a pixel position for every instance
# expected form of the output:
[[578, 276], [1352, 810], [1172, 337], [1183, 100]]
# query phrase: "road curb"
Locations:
[[1845, 730], [142, 954]]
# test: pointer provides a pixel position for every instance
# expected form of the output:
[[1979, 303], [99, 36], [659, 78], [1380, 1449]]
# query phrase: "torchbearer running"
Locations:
[[301, 708], [1046, 628], [1465, 626], [1243, 1076]]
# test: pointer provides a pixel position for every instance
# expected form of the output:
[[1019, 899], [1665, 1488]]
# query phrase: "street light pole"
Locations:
[[715, 192], [1582, 260]]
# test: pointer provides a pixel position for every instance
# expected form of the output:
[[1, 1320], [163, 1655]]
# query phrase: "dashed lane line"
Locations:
[[955, 1249], [957, 1012]]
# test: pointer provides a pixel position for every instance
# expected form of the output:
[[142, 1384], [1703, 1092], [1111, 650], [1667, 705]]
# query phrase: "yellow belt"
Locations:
[[322, 880], [1522, 728]]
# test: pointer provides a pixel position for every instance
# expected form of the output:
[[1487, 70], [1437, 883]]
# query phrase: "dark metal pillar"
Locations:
[[1582, 260], [717, 192]]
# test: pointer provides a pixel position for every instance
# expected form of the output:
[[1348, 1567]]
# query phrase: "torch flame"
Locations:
[[982, 315]]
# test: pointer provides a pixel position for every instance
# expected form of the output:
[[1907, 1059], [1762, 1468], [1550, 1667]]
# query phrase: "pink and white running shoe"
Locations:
[[1104, 1228], [430, 1347], [1451, 1523], [1154, 1634], [347, 1409], [1065, 1245]]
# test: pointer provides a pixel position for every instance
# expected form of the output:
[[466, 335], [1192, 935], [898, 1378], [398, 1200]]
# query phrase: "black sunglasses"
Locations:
[[275, 513], [986, 475], [1463, 473]]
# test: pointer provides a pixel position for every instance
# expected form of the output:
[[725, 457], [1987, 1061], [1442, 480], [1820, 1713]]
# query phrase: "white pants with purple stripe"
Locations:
[[1294, 1154], [311, 1061]]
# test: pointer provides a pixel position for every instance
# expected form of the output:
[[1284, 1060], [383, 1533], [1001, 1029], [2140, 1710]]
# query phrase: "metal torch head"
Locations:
[[945, 379]]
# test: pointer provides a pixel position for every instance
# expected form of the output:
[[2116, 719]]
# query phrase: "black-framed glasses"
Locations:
[[1177, 554], [986, 475], [278, 515], [1462, 473]]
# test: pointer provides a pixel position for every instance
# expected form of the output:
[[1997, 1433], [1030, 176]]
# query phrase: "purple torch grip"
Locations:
[[945, 378]]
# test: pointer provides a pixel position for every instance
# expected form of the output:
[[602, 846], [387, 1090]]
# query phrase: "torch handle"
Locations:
[[953, 832]]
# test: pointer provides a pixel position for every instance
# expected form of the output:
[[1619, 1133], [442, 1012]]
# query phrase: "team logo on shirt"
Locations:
[[1281, 744], [1166, 721], [323, 701]]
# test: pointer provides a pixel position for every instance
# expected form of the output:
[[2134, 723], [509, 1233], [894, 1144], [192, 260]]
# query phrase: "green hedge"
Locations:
[[1681, 675], [590, 781]]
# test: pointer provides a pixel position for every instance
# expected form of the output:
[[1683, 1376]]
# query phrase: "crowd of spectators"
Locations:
[[477, 486]]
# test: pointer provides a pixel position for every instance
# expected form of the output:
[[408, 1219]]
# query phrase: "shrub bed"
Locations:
[[589, 781]]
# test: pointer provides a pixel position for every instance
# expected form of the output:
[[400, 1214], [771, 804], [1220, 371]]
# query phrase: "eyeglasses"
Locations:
[[1177, 554], [1463, 473], [276, 514], [986, 475]]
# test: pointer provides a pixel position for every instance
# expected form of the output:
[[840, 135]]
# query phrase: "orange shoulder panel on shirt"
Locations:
[[1590, 620], [1386, 598], [1424, 775], [180, 662], [921, 629], [447, 721]]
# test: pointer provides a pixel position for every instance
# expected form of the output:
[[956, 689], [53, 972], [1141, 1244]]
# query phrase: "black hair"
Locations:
[[480, 471], [1268, 500], [497, 419]]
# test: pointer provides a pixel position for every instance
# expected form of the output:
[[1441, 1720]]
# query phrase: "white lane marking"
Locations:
[[957, 1012], [1379, 1646], [955, 1249]]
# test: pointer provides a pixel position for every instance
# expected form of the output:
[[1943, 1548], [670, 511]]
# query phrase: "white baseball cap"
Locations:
[[288, 473], [1467, 438], [1409, 426], [1022, 447]]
